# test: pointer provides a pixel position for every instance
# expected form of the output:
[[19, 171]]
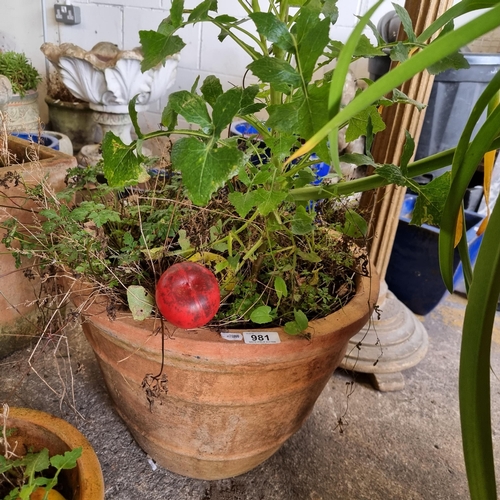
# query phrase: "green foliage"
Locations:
[[21, 476], [18, 69]]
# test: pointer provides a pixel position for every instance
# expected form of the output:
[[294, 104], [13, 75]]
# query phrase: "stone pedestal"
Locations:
[[394, 340]]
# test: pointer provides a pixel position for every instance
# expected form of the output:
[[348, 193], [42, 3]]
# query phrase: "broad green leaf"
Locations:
[[284, 117], [275, 71], [281, 145], [67, 460], [204, 168], [299, 324], [358, 159], [366, 49], [358, 124], [400, 52], [280, 287], [140, 302], [36, 462], [200, 12], [453, 61], [225, 108], [311, 46], [157, 47], [243, 202], [261, 315], [309, 256], [268, 200], [192, 107], [183, 240], [176, 12], [169, 117], [430, 201], [406, 22], [272, 28], [392, 174], [211, 89], [121, 166], [302, 222], [300, 319], [330, 10]]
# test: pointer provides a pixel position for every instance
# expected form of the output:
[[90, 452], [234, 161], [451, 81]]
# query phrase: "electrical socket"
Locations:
[[67, 14]]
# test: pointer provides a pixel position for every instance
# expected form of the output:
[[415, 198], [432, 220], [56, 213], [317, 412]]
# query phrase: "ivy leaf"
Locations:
[[211, 89], [267, 201], [204, 168], [272, 28], [156, 47], [192, 107], [299, 325], [200, 12], [280, 287], [261, 315], [140, 302], [243, 202], [275, 71], [358, 124], [302, 222], [225, 108], [176, 12], [122, 167], [430, 201]]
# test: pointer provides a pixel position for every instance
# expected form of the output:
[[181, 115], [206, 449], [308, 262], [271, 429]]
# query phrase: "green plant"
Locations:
[[19, 70], [247, 207], [34, 474]]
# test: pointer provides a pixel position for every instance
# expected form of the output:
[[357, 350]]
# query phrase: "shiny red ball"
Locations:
[[187, 294]]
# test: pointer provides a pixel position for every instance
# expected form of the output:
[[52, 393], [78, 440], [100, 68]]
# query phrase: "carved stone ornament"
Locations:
[[108, 78]]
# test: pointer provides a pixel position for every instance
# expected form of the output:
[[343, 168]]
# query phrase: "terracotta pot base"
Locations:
[[224, 406]]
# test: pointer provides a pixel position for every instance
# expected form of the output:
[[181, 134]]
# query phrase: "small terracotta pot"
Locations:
[[37, 430], [224, 406]]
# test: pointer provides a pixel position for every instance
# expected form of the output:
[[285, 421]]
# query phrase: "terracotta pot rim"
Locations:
[[204, 344], [91, 481]]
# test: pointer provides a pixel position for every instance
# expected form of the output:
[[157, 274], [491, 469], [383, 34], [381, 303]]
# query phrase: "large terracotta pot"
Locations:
[[37, 430], [223, 406], [18, 312]]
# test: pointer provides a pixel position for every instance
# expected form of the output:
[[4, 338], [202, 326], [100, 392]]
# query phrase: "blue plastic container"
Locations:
[[44, 139], [413, 273]]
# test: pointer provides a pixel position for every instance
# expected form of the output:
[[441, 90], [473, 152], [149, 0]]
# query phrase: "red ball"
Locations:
[[187, 294]]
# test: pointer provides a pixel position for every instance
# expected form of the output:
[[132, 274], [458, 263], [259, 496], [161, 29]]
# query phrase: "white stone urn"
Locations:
[[108, 78]]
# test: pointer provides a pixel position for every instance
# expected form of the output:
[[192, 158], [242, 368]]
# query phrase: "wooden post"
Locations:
[[388, 145]]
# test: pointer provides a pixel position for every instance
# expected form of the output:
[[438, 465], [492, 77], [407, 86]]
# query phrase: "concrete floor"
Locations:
[[402, 445]]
